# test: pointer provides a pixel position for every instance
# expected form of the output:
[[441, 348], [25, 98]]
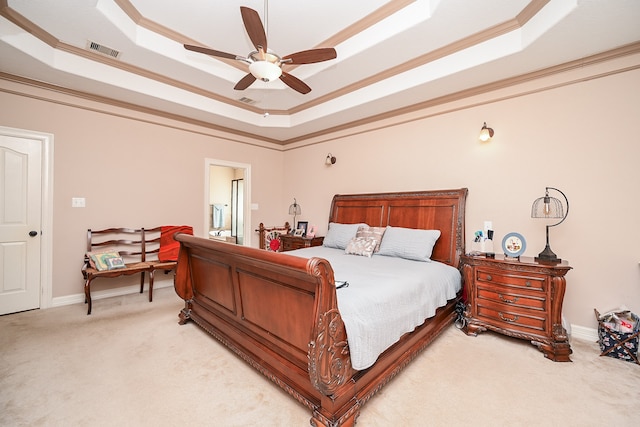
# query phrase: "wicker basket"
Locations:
[[621, 345]]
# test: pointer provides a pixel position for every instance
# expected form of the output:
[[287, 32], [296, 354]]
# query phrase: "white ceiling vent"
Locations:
[[246, 100], [97, 47]]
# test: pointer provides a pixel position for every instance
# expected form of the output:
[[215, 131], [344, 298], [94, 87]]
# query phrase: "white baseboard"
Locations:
[[584, 333], [108, 293]]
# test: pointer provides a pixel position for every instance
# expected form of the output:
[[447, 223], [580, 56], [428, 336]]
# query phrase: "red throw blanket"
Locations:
[[169, 247]]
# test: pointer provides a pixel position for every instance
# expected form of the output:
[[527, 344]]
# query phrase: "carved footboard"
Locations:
[[329, 359], [277, 312]]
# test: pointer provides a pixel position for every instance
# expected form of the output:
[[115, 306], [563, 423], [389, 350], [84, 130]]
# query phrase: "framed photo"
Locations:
[[311, 232], [514, 245], [303, 225], [299, 232]]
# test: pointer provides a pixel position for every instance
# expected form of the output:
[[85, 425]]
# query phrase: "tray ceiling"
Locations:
[[392, 54]]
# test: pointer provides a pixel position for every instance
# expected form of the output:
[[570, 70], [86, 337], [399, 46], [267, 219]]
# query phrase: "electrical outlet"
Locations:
[[488, 225], [78, 202]]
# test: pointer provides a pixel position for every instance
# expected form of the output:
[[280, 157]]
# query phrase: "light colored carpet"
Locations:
[[131, 364]]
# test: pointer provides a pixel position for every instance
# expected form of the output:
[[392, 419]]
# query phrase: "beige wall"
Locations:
[[132, 172], [580, 137]]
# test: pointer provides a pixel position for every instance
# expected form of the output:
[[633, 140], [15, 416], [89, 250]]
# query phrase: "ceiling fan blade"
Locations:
[[295, 83], [254, 27], [211, 52], [311, 56], [245, 82]]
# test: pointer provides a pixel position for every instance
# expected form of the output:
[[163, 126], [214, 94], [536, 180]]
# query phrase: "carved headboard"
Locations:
[[429, 210]]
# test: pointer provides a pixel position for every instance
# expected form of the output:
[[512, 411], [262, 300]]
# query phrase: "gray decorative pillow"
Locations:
[[409, 243], [363, 246], [374, 232], [339, 235]]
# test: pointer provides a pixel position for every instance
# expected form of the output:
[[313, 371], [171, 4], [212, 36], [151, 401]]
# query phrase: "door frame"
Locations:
[[46, 214], [208, 162]]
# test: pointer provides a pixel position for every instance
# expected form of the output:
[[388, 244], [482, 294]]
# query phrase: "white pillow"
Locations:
[[408, 243], [339, 235]]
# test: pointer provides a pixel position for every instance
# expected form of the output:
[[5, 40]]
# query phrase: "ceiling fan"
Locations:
[[264, 64]]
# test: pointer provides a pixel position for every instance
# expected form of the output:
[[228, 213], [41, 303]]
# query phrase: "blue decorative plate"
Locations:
[[514, 245]]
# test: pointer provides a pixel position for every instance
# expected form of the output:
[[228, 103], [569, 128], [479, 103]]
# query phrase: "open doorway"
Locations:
[[227, 200]]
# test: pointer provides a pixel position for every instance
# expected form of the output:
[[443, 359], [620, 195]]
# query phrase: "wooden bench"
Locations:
[[122, 252], [270, 237]]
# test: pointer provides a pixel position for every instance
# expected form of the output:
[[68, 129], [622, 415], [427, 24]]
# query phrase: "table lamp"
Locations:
[[549, 207]]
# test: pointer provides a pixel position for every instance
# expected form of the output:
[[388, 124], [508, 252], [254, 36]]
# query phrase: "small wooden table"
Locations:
[[291, 242], [519, 297]]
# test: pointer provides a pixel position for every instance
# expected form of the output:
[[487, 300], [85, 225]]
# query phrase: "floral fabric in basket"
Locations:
[[613, 342]]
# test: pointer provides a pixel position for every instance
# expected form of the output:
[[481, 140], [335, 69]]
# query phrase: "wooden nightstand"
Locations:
[[521, 298], [290, 242]]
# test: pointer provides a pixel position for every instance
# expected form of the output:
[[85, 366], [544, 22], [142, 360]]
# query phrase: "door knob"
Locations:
[[33, 233]]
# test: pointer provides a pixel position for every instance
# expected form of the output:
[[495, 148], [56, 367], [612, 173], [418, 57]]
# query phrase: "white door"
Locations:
[[20, 223]]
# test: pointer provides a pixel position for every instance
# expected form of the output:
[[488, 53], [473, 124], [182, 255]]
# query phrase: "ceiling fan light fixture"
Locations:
[[265, 70]]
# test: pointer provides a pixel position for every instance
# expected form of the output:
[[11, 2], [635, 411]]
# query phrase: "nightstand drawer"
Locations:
[[505, 296], [516, 320], [290, 243], [513, 279]]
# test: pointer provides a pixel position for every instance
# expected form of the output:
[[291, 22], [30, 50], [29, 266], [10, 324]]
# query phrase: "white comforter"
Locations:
[[386, 297]]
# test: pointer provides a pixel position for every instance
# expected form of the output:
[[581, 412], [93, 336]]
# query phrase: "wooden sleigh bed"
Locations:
[[279, 312]]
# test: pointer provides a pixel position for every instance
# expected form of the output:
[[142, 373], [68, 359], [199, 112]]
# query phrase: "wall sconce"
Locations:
[[549, 207], [330, 160], [486, 133], [294, 209]]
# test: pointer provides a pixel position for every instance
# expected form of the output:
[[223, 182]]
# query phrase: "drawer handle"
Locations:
[[527, 283], [506, 319], [489, 277], [509, 301]]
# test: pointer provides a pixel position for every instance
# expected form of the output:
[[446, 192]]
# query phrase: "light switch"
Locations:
[[77, 202]]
